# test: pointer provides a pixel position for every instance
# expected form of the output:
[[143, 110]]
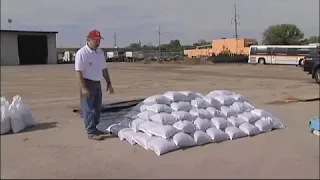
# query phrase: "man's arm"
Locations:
[[106, 75], [80, 79]]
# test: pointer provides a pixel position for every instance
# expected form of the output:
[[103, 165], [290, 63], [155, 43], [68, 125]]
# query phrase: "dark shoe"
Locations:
[[95, 137]]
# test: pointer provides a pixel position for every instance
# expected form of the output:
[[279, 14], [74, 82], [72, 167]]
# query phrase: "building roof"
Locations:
[[24, 31]]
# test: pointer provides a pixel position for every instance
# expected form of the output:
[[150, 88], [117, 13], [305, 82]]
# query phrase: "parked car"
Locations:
[[312, 65]]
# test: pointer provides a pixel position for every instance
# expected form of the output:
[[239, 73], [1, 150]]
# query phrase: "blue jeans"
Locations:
[[91, 106]]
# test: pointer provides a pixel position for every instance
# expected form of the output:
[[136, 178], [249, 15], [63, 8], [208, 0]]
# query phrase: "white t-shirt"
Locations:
[[90, 63]]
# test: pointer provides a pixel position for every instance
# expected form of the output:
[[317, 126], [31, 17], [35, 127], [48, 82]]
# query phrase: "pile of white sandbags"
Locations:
[[174, 120], [16, 116]]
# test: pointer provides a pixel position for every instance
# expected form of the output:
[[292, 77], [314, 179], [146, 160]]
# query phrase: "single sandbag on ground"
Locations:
[[235, 133], [201, 138], [249, 129], [182, 140], [161, 146], [164, 131], [217, 135], [202, 124], [163, 118], [185, 126], [142, 139]]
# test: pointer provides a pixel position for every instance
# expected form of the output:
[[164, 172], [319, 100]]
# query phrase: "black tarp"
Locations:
[[113, 113]]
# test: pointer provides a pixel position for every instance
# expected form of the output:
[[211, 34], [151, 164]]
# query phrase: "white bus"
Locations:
[[279, 54]]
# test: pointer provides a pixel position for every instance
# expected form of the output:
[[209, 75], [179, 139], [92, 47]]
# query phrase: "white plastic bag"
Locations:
[[215, 112], [235, 121], [181, 106], [238, 97], [191, 95], [17, 123], [235, 133], [5, 118], [157, 99], [121, 133], [261, 113], [276, 123], [141, 139], [220, 123], [164, 118], [217, 135], [146, 115], [200, 103], [222, 92], [158, 108], [164, 131], [176, 96], [264, 125], [249, 129], [136, 123], [239, 107], [161, 146], [212, 102], [24, 111], [146, 126], [228, 111], [132, 114], [115, 128], [201, 138], [185, 126], [202, 124], [201, 113], [182, 115], [182, 140], [224, 99], [249, 117]]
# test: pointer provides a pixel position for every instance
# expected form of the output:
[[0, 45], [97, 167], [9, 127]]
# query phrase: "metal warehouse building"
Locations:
[[28, 47]]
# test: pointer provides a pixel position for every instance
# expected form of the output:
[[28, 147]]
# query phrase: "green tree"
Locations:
[[314, 39], [201, 42], [282, 34]]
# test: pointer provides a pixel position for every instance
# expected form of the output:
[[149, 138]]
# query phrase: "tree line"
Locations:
[[280, 34]]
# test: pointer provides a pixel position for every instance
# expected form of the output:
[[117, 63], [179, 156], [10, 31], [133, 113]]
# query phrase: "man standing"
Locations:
[[90, 66]]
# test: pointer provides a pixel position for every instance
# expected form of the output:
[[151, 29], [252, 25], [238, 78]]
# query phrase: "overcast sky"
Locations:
[[134, 20]]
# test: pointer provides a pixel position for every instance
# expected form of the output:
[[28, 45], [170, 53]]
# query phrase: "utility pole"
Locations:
[[9, 22], [235, 21], [159, 38], [115, 39]]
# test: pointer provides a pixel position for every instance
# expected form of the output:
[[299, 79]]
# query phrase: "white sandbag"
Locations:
[[121, 133], [238, 97], [5, 118], [146, 115], [181, 106], [222, 92], [115, 128], [235, 133], [126, 122], [217, 135], [164, 131], [235, 121], [185, 126], [157, 99], [163, 118], [201, 138], [191, 95], [141, 139], [136, 123], [264, 125], [215, 112], [228, 112], [176, 96], [128, 135], [17, 123], [249, 129], [132, 114], [212, 102], [143, 108], [261, 113], [276, 123], [161, 146], [24, 111], [202, 124], [146, 126], [224, 99], [138, 106], [220, 123], [201, 113], [182, 140], [182, 115], [200, 103], [212, 94], [158, 108], [239, 107], [249, 106], [249, 117]]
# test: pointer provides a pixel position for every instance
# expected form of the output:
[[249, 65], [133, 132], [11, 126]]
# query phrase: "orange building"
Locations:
[[234, 45]]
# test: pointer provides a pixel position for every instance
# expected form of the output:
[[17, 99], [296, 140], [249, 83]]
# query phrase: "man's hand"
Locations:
[[84, 92], [110, 88]]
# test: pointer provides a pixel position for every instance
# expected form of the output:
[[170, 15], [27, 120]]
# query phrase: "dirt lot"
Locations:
[[58, 148]]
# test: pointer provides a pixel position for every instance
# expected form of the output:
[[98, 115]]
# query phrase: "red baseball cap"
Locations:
[[95, 34]]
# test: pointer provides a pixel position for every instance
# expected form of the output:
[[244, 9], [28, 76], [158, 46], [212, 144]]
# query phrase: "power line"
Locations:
[[159, 38], [235, 21], [115, 39]]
